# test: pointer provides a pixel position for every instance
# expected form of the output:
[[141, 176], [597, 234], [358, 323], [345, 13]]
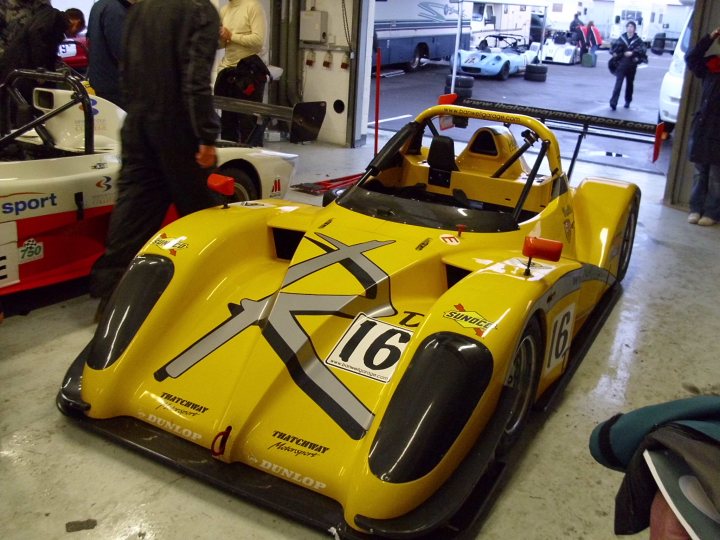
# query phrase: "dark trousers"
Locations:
[[158, 169], [237, 126], [626, 73]]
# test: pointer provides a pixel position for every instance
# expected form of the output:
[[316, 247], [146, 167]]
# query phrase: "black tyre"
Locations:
[[461, 92], [245, 189], [628, 238], [522, 380], [504, 72], [536, 72], [461, 81], [414, 64]]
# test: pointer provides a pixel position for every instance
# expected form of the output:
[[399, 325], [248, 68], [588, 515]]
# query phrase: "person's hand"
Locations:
[[225, 34], [206, 156], [628, 53], [715, 33]]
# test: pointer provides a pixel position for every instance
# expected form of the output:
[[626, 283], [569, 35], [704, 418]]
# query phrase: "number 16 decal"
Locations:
[[370, 348], [561, 337]]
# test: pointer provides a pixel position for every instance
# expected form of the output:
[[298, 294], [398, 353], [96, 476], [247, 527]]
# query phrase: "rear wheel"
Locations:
[[460, 91], [522, 380], [414, 64], [536, 72], [245, 189], [628, 238], [461, 81]]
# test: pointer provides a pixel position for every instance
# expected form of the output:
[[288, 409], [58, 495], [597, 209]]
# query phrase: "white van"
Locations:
[[671, 88]]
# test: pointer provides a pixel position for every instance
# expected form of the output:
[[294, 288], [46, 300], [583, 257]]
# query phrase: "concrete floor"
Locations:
[[658, 344]]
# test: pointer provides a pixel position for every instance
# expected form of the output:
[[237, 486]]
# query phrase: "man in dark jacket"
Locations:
[[33, 46], [704, 147], [105, 30], [630, 50], [169, 134], [15, 16]]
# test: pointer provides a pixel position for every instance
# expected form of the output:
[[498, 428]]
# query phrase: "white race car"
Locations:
[[58, 184], [560, 48]]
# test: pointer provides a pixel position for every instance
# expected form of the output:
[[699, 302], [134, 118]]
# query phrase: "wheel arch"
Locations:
[[601, 204]]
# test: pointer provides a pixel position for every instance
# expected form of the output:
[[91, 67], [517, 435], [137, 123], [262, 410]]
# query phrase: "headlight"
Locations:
[[136, 295], [431, 405]]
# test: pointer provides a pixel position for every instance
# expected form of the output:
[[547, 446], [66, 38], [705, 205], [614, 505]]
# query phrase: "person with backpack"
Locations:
[[242, 72], [627, 53]]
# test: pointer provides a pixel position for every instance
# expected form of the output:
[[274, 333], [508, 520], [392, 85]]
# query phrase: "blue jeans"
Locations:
[[705, 193]]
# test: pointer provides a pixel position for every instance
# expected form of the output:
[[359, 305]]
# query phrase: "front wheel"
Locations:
[[522, 381], [245, 189], [504, 72]]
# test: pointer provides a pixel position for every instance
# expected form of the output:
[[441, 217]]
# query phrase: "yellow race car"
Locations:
[[363, 366]]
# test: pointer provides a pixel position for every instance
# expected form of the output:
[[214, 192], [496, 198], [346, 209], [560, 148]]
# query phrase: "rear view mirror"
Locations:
[[542, 248]]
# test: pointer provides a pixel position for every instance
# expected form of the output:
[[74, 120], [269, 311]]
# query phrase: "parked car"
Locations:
[[560, 48], [672, 83], [74, 52], [58, 184], [497, 55], [363, 366]]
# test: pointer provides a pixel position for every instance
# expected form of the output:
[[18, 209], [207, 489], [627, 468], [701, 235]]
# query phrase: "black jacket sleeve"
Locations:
[[196, 74]]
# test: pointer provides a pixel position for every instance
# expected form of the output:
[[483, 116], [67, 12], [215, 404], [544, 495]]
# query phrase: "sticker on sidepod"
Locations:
[[172, 427], [370, 348], [31, 250], [296, 445], [469, 319], [253, 204], [561, 337], [105, 184], [9, 274], [276, 187], [282, 472], [534, 265], [450, 239], [27, 204], [171, 244], [181, 405]]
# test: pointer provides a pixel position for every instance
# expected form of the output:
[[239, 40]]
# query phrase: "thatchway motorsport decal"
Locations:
[[276, 316]]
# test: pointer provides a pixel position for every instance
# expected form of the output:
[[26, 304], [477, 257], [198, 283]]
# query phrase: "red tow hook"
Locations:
[[220, 440]]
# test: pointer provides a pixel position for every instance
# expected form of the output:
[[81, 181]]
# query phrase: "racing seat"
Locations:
[[441, 160]]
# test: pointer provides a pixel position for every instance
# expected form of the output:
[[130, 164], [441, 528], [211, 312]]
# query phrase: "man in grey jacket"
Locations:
[[169, 134]]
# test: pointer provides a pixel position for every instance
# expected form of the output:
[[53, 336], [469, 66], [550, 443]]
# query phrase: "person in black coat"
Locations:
[[629, 49], [169, 133], [705, 135]]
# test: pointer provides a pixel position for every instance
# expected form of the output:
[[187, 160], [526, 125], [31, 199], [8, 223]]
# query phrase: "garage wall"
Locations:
[[327, 79], [680, 172]]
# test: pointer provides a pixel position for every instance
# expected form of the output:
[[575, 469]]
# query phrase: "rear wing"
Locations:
[[305, 119], [582, 124]]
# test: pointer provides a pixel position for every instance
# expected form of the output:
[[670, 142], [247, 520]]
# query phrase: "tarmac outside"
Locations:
[[575, 88]]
